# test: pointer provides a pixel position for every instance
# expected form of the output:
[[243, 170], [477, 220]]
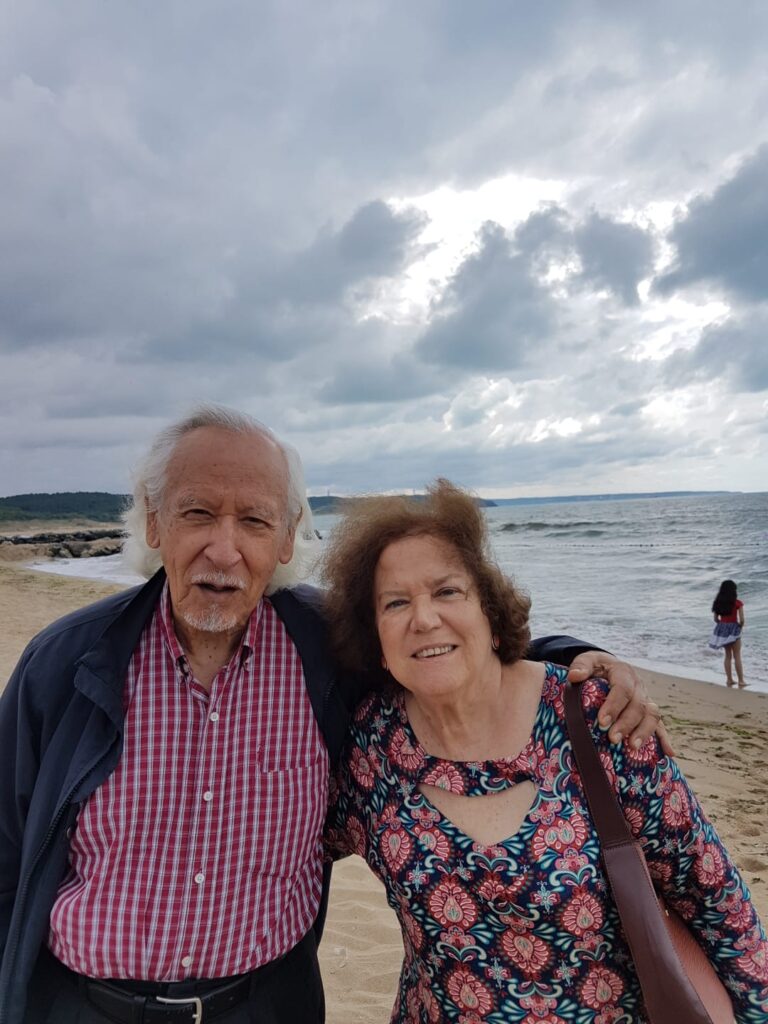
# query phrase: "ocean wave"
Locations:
[[564, 529]]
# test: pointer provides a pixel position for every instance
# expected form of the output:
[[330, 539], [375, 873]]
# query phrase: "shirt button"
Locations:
[[199, 877], [214, 716], [186, 961], [207, 795]]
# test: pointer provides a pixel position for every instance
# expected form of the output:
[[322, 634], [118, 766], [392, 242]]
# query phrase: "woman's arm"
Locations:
[[740, 613], [692, 868]]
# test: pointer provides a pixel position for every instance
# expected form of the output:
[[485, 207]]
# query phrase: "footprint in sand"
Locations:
[[753, 863], [753, 831]]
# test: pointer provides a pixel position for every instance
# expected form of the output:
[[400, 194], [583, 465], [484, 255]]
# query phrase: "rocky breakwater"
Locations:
[[67, 544]]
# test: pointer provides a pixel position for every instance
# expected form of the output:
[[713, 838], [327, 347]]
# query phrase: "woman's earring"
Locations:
[[495, 642], [384, 663]]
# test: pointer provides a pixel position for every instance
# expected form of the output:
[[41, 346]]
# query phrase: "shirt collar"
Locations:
[[248, 642], [252, 634]]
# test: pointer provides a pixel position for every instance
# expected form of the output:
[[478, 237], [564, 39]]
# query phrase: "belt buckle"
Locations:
[[194, 1000]]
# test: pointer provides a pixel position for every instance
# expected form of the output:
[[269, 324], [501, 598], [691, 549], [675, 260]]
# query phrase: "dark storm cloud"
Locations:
[[735, 352], [377, 378], [492, 312], [290, 303], [627, 408], [723, 238], [116, 402], [614, 256], [546, 234], [249, 332], [375, 242], [496, 315]]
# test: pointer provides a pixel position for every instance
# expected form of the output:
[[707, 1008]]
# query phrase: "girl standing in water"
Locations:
[[729, 622]]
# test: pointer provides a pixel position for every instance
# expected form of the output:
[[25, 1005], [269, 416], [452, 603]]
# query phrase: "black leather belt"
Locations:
[[205, 1001], [130, 1007]]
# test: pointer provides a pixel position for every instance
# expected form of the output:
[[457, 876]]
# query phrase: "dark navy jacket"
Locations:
[[61, 735]]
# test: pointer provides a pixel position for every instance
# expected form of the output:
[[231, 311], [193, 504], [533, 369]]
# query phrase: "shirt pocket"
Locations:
[[291, 804]]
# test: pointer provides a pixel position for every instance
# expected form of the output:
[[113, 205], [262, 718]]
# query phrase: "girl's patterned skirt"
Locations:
[[723, 634]]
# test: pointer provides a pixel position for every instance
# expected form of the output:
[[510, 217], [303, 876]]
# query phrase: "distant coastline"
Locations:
[[624, 496], [104, 507]]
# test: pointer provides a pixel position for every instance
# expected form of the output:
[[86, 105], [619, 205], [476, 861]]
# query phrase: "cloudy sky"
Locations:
[[523, 245]]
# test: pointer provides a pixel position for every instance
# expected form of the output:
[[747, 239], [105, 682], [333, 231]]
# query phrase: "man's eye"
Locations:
[[254, 521], [197, 513]]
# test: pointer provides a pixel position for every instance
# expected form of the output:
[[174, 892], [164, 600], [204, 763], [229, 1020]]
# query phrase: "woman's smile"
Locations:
[[435, 637], [435, 652]]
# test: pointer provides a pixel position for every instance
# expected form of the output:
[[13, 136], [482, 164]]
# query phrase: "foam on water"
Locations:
[[108, 568]]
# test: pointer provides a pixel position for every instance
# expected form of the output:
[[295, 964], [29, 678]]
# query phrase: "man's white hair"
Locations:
[[150, 478]]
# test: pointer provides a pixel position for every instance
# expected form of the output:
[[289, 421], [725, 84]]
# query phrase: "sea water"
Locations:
[[636, 577]]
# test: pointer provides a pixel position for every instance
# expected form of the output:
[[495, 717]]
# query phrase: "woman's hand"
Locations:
[[628, 709]]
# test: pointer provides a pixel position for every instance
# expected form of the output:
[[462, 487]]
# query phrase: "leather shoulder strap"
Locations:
[[669, 996]]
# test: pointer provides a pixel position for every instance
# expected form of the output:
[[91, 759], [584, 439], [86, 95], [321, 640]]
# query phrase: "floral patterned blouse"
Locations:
[[525, 930]]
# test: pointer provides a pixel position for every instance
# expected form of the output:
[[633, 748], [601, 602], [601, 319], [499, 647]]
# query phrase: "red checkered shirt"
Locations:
[[200, 856]]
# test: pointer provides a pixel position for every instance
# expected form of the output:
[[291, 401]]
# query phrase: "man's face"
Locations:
[[222, 527]]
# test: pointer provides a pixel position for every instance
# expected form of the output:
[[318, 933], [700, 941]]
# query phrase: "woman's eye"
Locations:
[[397, 602], [447, 592]]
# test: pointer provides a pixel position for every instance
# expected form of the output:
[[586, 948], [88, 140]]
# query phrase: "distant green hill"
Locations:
[[107, 508], [97, 505]]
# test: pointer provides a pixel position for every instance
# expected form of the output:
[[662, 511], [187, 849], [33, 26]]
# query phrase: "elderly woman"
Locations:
[[457, 788]]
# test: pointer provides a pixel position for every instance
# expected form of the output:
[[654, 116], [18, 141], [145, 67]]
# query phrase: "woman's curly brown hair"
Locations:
[[369, 525]]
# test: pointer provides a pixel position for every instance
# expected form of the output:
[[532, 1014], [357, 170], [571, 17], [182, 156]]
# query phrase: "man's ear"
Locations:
[[152, 531], [286, 548]]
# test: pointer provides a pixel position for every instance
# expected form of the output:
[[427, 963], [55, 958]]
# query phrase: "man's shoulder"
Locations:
[[84, 625], [302, 599]]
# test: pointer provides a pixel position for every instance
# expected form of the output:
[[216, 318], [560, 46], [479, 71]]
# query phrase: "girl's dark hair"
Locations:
[[725, 601], [369, 526]]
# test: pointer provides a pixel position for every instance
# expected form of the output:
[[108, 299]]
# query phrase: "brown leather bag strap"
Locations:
[[669, 996]]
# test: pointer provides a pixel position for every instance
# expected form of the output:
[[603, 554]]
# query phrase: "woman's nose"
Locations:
[[424, 615]]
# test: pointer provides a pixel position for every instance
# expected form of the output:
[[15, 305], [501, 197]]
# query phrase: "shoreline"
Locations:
[[41, 563], [720, 737]]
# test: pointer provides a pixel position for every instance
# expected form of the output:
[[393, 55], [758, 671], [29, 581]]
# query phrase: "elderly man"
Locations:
[[166, 757]]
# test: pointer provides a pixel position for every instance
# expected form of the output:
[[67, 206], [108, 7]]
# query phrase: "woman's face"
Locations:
[[434, 635]]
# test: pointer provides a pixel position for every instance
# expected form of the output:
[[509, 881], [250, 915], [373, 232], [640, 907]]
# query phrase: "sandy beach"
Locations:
[[721, 737]]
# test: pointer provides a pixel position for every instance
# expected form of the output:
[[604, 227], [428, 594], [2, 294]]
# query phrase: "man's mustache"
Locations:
[[218, 579]]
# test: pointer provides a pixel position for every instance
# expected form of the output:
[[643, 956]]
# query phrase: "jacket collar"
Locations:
[[102, 669]]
